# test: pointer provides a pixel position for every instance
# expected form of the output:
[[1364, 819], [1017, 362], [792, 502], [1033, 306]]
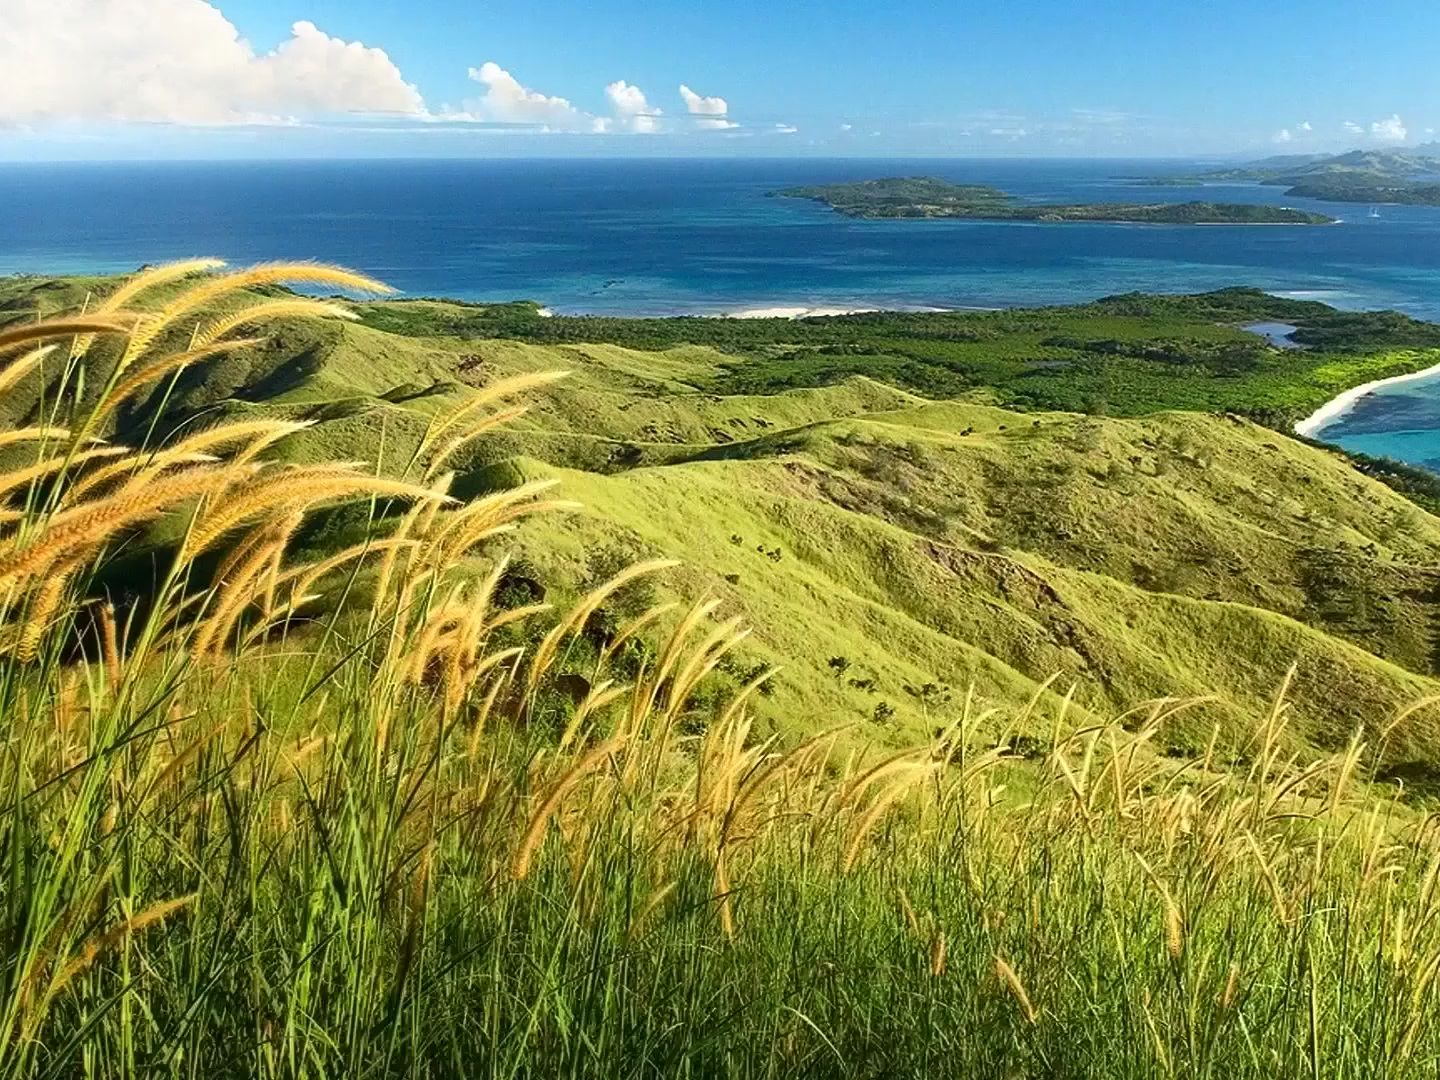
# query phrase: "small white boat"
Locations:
[[1374, 211]]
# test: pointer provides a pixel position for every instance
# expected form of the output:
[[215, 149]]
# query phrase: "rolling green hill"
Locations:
[[906, 507], [1363, 176]]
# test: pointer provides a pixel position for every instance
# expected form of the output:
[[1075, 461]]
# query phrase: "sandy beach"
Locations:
[[793, 312], [1337, 407], [776, 311], [799, 311]]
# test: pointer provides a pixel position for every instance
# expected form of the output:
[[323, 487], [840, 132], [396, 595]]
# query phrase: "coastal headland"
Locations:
[[926, 197]]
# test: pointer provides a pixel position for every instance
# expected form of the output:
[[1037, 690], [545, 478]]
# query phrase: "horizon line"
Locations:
[[468, 159]]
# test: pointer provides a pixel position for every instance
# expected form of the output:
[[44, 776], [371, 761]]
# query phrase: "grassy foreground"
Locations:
[[407, 838]]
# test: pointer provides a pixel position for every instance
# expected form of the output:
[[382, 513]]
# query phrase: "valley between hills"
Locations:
[[907, 508]]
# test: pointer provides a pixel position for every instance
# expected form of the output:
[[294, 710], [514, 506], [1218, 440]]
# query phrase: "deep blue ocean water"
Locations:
[[678, 236]]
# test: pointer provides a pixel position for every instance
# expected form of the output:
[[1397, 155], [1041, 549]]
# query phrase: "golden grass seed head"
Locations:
[[1011, 981]]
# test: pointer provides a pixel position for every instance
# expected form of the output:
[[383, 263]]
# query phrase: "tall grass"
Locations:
[[243, 839]]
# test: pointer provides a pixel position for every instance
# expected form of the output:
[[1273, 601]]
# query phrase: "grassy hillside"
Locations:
[[311, 770], [1366, 176], [891, 550]]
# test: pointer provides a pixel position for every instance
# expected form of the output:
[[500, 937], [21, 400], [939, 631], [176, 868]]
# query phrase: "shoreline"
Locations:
[[801, 311], [804, 311], [1101, 221], [792, 311], [1260, 224], [1338, 406], [773, 310]]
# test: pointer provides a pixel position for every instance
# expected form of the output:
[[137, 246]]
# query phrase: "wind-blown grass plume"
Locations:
[[367, 809], [19, 478], [447, 422], [33, 434], [153, 278], [83, 528], [545, 654], [50, 329], [260, 493], [210, 288], [81, 508], [18, 369], [214, 287], [267, 311]]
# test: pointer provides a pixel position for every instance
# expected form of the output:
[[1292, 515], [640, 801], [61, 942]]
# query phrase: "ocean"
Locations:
[[1400, 422], [665, 237]]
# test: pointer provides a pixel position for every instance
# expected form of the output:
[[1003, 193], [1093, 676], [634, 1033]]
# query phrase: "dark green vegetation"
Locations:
[[1123, 356], [1363, 176], [927, 197], [1360, 189]]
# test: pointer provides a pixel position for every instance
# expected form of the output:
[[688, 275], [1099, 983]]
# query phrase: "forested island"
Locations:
[[1360, 190], [1410, 177], [929, 197]]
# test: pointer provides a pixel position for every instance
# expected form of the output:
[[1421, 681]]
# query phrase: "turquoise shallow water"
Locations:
[[1400, 422], [668, 237], [661, 237]]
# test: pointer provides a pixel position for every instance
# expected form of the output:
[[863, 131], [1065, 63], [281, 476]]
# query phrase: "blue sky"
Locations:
[[191, 78]]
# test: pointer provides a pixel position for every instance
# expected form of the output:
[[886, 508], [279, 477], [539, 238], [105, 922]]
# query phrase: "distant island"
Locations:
[[928, 197], [1411, 177]]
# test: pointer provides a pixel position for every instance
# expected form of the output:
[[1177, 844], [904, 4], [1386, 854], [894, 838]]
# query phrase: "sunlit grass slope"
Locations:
[[890, 549], [313, 770]]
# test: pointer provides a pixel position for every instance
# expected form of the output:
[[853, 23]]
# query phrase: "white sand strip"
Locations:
[[793, 312], [798, 311], [1337, 407]]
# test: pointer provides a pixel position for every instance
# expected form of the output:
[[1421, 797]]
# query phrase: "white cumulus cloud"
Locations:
[[1283, 135], [1391, 129], [632, 111], [1352, 128], [507, 101], [698, 105], [708, 113], [1304, 125], [180, 62]]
